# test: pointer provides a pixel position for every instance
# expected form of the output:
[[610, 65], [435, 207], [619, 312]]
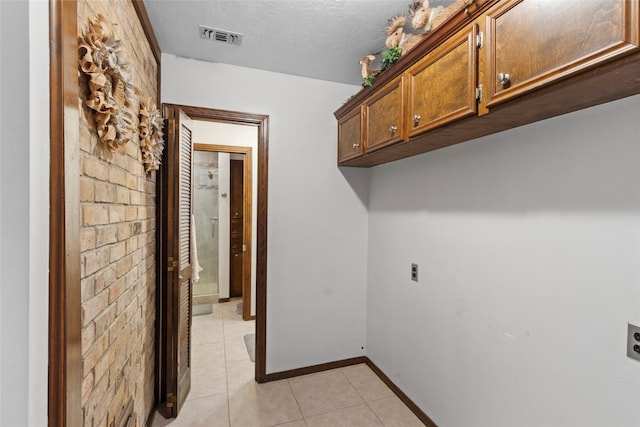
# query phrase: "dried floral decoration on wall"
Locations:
[[103, 60], [151, 142]]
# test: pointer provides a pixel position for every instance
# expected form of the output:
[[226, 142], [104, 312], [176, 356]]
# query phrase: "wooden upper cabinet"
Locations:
[[383, 118], [498, 65], [442, 85], [350, 135], [531, 43]]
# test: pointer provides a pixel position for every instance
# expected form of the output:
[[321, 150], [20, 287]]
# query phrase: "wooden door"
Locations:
[[384, 121], [236, 240], [442, 85], [176, 294], [349, 136], [532, 43]]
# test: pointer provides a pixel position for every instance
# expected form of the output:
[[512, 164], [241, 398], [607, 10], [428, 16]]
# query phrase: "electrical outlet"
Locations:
[[414, 272], [633, 342]]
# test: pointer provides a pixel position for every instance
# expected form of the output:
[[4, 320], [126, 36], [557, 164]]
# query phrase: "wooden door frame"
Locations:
[[262, 123], [247, 201], [65, 346]]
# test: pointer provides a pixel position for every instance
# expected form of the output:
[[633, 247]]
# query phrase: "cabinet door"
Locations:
[[349, 135], [442, 85], [383, 117], [532, 43]]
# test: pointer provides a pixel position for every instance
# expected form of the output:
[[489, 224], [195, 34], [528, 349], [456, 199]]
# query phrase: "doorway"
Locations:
[[174, 334], [223, 217]]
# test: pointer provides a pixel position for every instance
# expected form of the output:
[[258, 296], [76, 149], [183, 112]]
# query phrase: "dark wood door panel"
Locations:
[[383, 117], [349, 136], [442, 85], [175, 315], [532, 42], [236, 242], [235, 276], [185, 203]]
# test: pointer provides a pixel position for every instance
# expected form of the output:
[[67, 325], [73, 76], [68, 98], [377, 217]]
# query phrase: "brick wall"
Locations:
[[118, 247]]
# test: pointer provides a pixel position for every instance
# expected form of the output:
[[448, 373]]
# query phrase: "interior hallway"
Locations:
[[224, 393]]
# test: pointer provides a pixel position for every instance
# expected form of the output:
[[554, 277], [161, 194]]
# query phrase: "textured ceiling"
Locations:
[[320, 39]]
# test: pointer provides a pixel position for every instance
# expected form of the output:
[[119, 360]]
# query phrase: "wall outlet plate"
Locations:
[[414, 272], [633, 342]]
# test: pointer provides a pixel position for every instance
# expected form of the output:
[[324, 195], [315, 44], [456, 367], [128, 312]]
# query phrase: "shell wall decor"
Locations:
[[111, 97]]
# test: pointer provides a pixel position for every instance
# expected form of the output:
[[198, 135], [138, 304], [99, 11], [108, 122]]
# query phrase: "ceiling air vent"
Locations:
[[218, 35]]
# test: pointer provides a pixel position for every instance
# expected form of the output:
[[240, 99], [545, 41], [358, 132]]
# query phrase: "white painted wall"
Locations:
[[38, 210], [215, 133], [528, 245], [317, 215], [24, 211]]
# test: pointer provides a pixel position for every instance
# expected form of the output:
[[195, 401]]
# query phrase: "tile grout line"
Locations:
[[226, 318], [374, 412], [297, 404], [361, 396], [201, 329], [304, 417]]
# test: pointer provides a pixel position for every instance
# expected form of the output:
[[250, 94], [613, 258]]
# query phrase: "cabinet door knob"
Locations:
[[504, 79], [393, 129], [416, 120], [356, 145]]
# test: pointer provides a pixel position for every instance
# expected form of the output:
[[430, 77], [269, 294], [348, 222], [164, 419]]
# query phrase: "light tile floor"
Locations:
[[224, 393]]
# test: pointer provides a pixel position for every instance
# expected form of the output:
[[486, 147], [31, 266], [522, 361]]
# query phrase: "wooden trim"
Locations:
[[247, 216], [261, 248], [262, 122], [224, 116], [276, 376], [160, 383], [247, 168], [65, 349], [401, 395], [235, 149]]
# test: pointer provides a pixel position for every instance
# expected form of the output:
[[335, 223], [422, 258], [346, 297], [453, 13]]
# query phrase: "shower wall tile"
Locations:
[[205, 211]]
